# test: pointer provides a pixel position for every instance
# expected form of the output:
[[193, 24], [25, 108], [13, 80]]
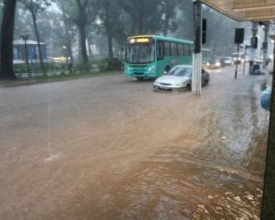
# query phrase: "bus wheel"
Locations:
[[167, 68], [188, 87], [140, 78]]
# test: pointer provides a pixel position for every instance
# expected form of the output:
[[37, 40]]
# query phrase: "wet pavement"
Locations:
[[111, 148]]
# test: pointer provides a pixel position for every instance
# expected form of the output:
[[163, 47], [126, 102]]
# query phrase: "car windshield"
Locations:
[[140, 53], [180, 71]]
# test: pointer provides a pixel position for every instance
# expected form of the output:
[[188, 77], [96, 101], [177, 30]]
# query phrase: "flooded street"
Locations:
[[110, 148]]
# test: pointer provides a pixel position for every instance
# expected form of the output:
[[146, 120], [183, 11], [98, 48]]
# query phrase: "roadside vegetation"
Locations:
[[51, 72]]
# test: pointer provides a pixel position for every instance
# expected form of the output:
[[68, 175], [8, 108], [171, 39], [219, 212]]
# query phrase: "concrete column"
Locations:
[[197, 57]]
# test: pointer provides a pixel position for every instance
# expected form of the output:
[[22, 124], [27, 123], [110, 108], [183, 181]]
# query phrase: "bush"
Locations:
[[36, 68], [110, 64], [82, 67]]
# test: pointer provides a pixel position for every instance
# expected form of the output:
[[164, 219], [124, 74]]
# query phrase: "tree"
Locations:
[[81, 20], [34, 7], [7, 30], [185, 21], [145, 14], [67, 34], [109, 13], [169, 21]]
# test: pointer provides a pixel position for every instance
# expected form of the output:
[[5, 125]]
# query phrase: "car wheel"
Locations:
[[188, 87], [205, 83]]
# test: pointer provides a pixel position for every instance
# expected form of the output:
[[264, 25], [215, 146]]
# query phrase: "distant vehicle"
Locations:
[[238, 57], [227, 61], [206, 55], [179, 78], [149, 56], [214, 63]]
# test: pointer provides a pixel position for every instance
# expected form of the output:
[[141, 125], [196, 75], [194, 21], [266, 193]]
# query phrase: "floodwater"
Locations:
[[111, 148]]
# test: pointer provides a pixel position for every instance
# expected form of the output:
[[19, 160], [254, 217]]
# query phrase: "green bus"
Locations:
[[149, 56]]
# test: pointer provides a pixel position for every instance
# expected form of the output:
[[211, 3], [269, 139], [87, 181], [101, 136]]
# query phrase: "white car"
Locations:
[[178, 78]]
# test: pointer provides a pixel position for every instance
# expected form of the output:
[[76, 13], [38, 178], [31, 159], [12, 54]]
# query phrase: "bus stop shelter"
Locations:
[[256, 11]]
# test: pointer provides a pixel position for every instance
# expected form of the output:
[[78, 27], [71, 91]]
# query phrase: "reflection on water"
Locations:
[[214, 171]]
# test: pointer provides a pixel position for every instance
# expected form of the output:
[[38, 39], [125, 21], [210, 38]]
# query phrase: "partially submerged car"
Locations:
[[179, 78]]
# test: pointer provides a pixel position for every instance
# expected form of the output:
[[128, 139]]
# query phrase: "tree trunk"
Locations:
[[110, 46], [71, 55], [38, 39], [7, 40], [109, 33], [68, 35], [81, 23], [89, 48], [82, 34]]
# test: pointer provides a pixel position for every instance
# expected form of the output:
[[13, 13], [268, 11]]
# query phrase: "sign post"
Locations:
[[239, 35]]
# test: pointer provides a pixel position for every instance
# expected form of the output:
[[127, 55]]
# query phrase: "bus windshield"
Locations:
[[140, 53]]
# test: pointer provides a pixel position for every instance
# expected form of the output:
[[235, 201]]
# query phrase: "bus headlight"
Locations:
[[151, 68], [218, 64], [127, 68]]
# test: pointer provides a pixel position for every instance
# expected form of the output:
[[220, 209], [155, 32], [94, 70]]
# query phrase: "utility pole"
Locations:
[[197, 56]]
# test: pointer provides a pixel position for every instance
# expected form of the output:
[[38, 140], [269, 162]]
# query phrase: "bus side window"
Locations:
[[174, 49], [160, 50], [181, 49], [189, 50], [167, 49], [186, 50]]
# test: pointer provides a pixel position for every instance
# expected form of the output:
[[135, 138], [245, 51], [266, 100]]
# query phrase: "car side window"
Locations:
[[188, 72]]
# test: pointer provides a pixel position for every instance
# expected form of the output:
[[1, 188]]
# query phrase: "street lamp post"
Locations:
[[25, 37]]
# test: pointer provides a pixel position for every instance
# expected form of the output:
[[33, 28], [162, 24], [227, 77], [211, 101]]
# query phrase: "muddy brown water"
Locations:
[[111, 148]]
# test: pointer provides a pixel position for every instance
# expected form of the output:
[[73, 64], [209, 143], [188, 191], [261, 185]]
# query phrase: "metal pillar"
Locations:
[[266, 30], [253, 50], [236, 68], [197, 57], [268, 201]]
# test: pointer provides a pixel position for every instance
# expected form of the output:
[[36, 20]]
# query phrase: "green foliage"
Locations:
[[36, 6], [36, 68], [83, 68], [110, 64]]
